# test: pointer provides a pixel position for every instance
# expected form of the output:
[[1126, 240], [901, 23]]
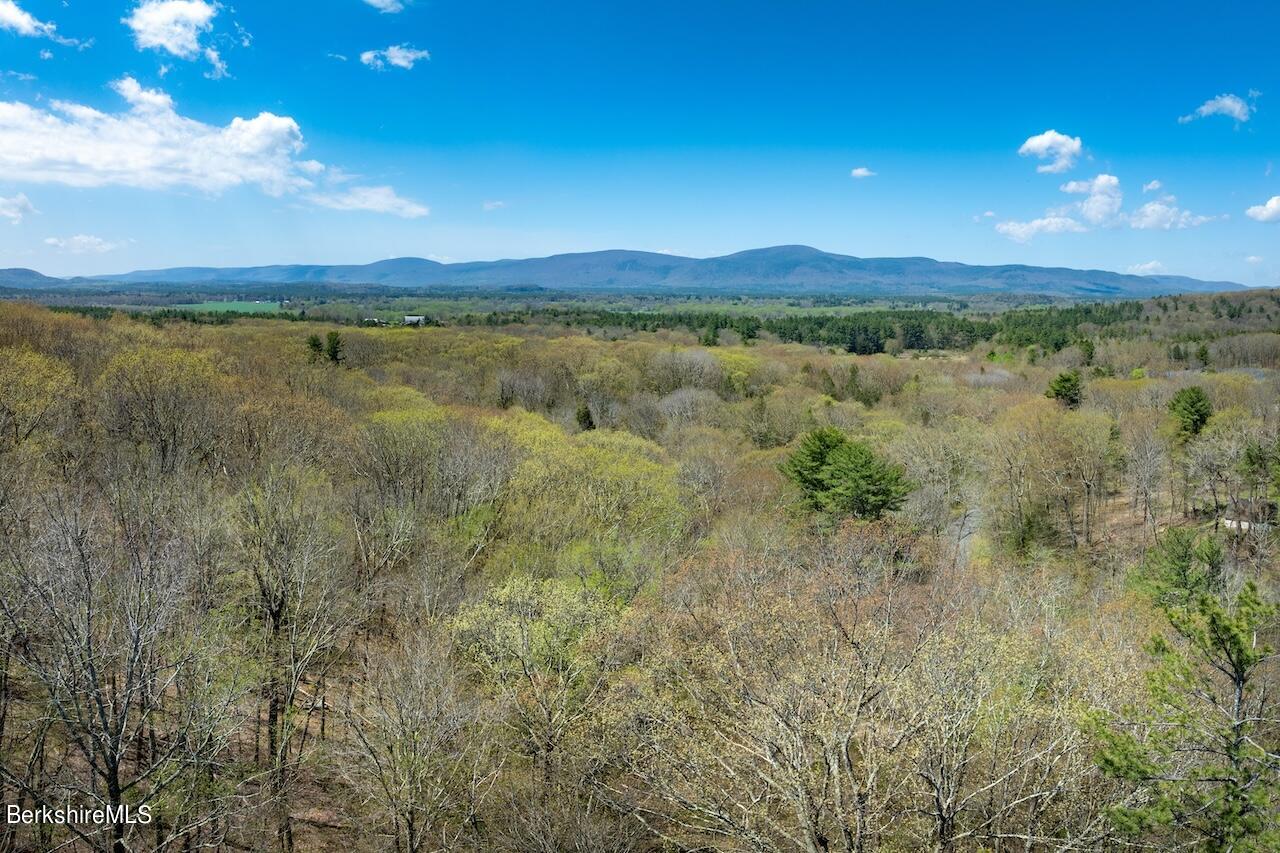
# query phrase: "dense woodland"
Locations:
[[578, 580]]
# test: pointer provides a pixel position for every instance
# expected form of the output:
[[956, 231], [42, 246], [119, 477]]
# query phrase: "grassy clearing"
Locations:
[[238, 307]]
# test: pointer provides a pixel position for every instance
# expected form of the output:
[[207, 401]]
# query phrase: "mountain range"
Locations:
[[781, 269]]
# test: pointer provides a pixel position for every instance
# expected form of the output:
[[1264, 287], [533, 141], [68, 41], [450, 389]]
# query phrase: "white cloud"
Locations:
[[1254, 259], [175, 27], [1102, 206], [1149, 268], [15, 19], [1061, 150], [1165, 215], [1024, 232], [386, 6], [337, 56], [150, 146], [493, 205], [145, 99], [372, 199], [46, 54], [1232, 106], [862, 172], [16, 209], [401, 56], [1103, 198], [218, 68], [82, 244], [1269, 212], [1152, 187]]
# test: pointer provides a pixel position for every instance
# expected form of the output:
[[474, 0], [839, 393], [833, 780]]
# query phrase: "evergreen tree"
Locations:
[[316, 347], [845, 478], [1204, 747], [585, 421], [804, 466], [1202, 355], [1067, 389], [1192, 408], [1181, 566], [860, 484], [333, 347], [1087, 350]]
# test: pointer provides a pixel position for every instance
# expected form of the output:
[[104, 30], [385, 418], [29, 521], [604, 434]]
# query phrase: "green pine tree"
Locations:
[[1192, 408], [334, 347], [1067, 389], [804, 466], [845, 478], [316, 347], [1203, 749]]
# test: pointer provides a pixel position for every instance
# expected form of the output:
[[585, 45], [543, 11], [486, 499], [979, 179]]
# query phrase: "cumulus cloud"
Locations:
[[401, 56], [1152, 187], [1165, 215], [1103, 198], [17, 20], [16, 209], [1100, 206], [371, 199], [1269, 212], [1025, 232], [175, 27], [82, 244], [151, 146], [1060, 150], [862, 172], [386, 6], [1232, 106], [1149, 268]]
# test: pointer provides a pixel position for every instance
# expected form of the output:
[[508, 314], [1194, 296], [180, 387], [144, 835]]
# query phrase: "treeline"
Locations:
[[297, 587], [870, 332], [863, 333], [1056, 328]]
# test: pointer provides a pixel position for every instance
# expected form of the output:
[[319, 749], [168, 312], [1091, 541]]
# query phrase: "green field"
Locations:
[[233, 306]]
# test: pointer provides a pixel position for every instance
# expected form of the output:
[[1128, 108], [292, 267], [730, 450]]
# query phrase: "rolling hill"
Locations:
[[785, 269]]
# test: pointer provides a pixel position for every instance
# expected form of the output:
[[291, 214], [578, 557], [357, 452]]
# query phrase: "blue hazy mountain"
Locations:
[[24, 278], [785, 269]]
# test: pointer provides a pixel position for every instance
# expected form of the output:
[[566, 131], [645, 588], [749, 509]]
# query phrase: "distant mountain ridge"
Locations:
[[28, 278], [780, 269]]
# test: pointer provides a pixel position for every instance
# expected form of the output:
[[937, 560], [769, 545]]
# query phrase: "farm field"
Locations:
[[231, 306]]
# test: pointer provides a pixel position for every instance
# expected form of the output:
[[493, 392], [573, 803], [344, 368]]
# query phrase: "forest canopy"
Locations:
[[586, 578]]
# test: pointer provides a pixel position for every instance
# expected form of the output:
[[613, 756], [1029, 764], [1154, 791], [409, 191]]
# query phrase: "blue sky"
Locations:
[[175, 132]]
